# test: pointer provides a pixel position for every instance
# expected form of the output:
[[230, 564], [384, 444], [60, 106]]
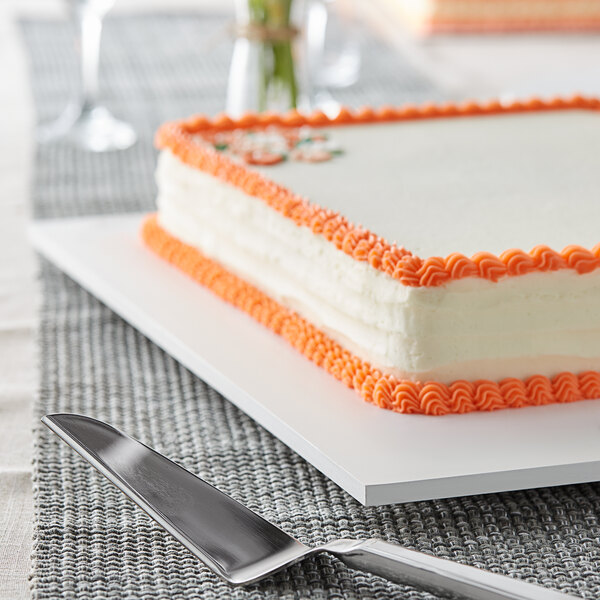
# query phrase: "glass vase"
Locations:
[[265, 72]]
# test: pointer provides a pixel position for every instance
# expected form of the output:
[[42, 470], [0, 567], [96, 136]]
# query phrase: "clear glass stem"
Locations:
[[90, 32], [85, 123]]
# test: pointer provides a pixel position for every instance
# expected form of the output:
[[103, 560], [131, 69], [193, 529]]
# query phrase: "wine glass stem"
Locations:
[[90, 31]]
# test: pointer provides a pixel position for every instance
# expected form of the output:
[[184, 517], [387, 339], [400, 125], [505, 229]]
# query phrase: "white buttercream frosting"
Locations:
[[469, 329], [469, 184]]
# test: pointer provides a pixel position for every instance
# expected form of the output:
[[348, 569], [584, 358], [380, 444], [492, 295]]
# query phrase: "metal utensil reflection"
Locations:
[[240, 545]]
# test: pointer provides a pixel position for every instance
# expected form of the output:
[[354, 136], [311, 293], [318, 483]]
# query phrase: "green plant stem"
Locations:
[[284, 69], [277, 61]]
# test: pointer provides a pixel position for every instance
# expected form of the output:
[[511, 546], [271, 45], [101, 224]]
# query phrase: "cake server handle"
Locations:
[[436, 575]]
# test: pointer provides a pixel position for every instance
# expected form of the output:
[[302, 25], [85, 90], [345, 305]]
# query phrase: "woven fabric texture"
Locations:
[[90, 541]]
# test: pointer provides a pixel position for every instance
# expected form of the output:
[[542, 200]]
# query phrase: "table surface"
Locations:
[[480, 66]]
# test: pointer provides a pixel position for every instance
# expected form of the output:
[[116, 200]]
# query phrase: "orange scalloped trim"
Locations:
[[507, 24], [357, 242], [429, 398]]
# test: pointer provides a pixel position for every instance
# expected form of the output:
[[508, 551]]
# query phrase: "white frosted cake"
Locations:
[[436, 260], [435, 16]]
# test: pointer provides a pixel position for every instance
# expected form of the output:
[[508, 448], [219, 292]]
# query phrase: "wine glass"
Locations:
[[333, 50], [84, 122]]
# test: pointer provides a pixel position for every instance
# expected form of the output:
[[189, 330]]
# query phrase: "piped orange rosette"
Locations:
[[386, 391]]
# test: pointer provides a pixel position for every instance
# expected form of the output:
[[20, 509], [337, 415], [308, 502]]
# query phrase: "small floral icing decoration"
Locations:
[[273, 145]]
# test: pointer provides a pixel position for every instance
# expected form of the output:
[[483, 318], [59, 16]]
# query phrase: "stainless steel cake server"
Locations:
[[241, 546]]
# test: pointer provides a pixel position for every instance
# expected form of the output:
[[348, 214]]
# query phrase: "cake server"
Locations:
[[241, 546]]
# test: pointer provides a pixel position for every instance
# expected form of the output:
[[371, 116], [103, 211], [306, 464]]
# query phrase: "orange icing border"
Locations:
[[437, 25], [360, 243], [386, 391]]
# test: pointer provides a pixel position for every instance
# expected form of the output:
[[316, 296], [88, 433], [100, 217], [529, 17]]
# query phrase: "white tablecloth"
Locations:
[[18, 296]]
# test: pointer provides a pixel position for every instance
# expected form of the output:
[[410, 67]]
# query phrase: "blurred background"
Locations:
[[244, 54]]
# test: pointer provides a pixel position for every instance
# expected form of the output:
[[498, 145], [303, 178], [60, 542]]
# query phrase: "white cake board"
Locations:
[[377, 456]]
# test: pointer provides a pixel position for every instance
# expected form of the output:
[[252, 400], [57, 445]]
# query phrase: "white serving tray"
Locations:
[[377, 456]]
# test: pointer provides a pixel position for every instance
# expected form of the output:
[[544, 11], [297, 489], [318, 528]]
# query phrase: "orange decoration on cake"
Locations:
[[386, 391], [361, 244]]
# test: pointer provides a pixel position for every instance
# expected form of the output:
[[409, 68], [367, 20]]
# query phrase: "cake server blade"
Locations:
[[232, 540], [240, 545]]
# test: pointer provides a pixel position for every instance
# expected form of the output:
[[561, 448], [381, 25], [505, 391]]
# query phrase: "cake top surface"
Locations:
[[481, 183], [425, 194]]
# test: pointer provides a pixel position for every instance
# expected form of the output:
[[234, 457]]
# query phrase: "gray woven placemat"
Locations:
[[90, 542]]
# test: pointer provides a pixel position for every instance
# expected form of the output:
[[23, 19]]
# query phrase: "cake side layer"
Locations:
[[359, 243], [539, 323], [386, 391]]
